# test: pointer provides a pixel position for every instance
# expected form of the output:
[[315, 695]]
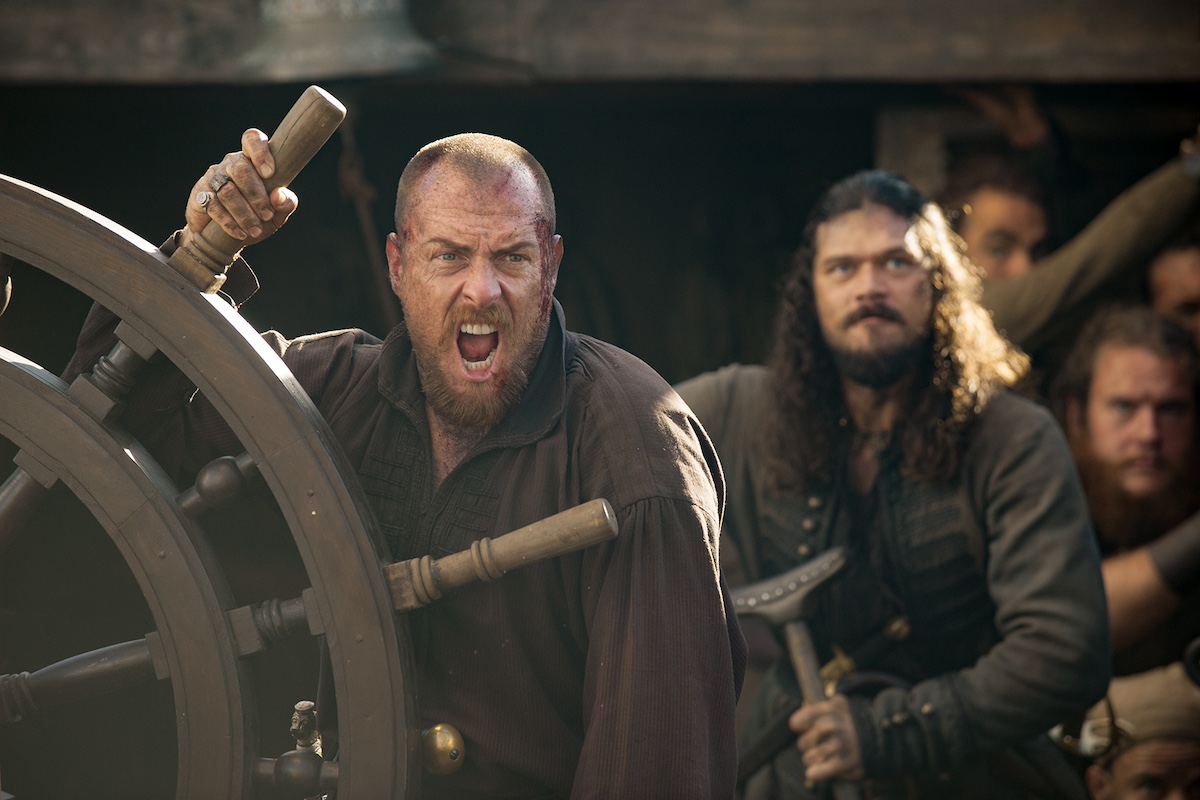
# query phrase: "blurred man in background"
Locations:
[[1127, 399], [1011, 209], [1151, 723], [1174, 281]]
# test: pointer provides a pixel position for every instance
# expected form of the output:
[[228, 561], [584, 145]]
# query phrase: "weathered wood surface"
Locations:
[[515, 40], [137, 41], [909, 40]]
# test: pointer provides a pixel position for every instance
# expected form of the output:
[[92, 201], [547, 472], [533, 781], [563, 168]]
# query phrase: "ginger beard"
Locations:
[[476, 340], [1123, 520], [1134, 443], [474, 265]]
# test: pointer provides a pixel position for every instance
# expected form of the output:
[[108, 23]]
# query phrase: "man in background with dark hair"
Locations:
[[1054, 298], [1127, 399], [998, 208], [1039, 294], [1173, 281], [883, 424]]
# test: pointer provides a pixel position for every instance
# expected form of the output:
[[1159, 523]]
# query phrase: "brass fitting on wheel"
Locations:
[[442, 749]]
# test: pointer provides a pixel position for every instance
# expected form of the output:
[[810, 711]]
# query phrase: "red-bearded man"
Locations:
[[1127, 398], [611, 672]]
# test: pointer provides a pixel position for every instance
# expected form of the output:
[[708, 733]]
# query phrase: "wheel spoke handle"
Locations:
[[310, 123], [22, 694], [420, 581]]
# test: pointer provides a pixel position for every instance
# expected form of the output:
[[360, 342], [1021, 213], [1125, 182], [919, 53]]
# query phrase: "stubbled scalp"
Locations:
[[479, 156]]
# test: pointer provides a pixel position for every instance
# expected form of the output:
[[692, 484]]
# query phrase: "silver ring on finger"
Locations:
[[203, 199], [218, 180]]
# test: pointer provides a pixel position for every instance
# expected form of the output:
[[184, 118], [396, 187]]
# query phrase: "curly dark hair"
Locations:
[[806, 424]]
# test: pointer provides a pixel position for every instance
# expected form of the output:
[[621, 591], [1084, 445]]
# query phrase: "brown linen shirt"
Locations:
[[611, 672]]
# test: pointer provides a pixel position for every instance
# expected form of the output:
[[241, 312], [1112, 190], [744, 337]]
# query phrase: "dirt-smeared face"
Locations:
[[474, 266]]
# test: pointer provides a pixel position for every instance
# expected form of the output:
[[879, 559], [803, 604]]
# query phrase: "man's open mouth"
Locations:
[[477, 343]]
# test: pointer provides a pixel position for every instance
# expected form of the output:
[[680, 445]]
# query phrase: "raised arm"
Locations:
[[1034, 309], [1145, 586]]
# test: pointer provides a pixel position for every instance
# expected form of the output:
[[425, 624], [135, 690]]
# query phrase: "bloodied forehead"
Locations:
[[503, 204]]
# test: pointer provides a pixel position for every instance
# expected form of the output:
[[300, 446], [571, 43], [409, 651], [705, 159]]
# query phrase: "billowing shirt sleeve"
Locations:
[[665, 655], [665, 660]]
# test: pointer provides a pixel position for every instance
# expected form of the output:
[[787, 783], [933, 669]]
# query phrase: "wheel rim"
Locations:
[[294, 451]]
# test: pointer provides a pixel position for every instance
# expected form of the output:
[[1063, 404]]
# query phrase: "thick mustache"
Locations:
[[491, 315], [881, 311]]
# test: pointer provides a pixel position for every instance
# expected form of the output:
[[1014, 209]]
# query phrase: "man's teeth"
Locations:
[[477, 330], [487, 362]]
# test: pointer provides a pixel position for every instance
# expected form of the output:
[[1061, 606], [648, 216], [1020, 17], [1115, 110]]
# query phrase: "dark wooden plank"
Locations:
[[123, 40], [906, 40], [806, 40]]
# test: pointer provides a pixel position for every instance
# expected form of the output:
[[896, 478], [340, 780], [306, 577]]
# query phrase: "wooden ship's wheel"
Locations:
[[203, 642]]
